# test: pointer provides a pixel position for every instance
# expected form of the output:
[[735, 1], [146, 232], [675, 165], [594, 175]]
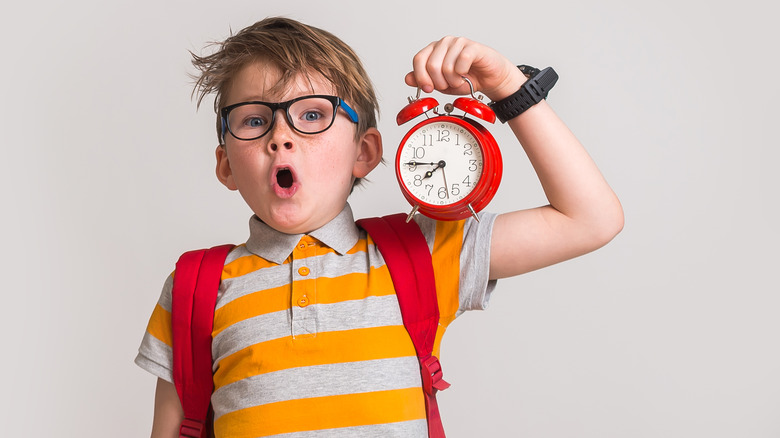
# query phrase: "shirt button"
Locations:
[[304, 271], [303, 301], [302, 246]]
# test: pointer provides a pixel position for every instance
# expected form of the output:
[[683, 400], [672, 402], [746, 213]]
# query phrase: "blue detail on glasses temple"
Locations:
[[350, 112]]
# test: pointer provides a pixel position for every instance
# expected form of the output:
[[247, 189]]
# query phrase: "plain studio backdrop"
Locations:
[[672, 330]]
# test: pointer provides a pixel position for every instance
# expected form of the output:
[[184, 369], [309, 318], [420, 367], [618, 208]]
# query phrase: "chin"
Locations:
[[288, 226], [292, 217], [288, 220]]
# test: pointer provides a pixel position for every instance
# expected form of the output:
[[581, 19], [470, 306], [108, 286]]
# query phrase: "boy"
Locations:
[[308, 338]]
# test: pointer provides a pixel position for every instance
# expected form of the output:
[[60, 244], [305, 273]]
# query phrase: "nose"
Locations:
[[281, 133]]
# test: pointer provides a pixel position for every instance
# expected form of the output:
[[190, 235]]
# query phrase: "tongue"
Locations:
[[284, 178]]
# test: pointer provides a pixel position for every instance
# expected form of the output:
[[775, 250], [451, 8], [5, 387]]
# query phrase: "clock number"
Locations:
[[442, 192], [418, 153], [417, 180], [427, 140], [467, 149], [429, 187], [444, 135], [457, 139], [472, 165], [455, 189], [467, 181]]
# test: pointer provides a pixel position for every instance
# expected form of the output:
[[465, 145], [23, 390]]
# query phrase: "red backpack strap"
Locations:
[[408, 259], [194, 296]]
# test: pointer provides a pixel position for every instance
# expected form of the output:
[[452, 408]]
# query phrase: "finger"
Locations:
[[419, 73], [464, 64], [442, 62], [457, 64], [435, 63]]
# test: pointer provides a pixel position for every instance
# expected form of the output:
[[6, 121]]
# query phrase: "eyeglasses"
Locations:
[[306, 114]]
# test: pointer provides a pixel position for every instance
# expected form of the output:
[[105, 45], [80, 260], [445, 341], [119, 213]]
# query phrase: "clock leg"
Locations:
[[473, 213], [411, 213]]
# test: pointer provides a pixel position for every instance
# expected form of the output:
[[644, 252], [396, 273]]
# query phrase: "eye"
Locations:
[[312, 116], [254, 122]]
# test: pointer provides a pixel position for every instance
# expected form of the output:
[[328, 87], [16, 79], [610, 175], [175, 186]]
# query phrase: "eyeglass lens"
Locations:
[[309, 116]]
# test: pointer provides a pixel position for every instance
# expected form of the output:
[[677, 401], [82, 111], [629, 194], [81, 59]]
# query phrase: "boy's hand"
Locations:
[[442, 64]]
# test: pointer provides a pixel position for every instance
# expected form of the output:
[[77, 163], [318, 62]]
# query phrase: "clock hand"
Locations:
[[439, 165], [417, 163], [446, 187]]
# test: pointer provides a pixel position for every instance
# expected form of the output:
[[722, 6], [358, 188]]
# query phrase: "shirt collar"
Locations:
[[340, 233]]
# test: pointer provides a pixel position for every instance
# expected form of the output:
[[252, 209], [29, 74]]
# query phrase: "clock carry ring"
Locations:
[[471, 87], [468, 81]]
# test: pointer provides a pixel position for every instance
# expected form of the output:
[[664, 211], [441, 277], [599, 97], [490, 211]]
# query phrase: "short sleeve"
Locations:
[[461, 262], [155, 354], [475, 284]]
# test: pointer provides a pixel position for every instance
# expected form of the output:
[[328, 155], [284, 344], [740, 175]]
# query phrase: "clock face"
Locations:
[[440, 162]]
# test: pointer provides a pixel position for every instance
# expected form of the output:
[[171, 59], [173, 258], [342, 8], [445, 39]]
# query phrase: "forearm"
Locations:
[[573, 184], [583, 212]]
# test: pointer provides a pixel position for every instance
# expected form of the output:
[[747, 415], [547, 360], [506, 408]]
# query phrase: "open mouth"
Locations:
[[284, 178]]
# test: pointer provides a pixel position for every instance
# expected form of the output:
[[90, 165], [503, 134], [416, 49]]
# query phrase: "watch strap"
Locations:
[[530, 93]]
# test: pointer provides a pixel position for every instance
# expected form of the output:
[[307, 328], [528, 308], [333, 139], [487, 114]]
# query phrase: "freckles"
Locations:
[[249, 164]]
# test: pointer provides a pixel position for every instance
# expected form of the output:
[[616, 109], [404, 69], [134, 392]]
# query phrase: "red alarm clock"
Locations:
[[448, 166]]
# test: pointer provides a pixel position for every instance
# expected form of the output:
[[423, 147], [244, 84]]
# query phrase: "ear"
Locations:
[[224, 172], [369, 153]]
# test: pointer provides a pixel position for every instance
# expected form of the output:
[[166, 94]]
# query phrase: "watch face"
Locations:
[[440, 162]]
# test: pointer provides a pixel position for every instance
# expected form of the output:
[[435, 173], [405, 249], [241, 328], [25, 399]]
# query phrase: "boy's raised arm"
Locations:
[[584, 213]]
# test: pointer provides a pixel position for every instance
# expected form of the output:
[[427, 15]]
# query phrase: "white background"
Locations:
[[669, 331]]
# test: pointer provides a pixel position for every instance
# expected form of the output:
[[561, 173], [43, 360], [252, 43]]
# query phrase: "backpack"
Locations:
[[194, 297]]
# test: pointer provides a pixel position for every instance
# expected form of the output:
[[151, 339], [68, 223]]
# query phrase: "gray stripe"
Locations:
[[155, 357], [329, 265], [165, 295], [318, 381], [237, 252], [475, 287], [428, 228], [347, 315], [267, 278], [406, 429], [332, 265]]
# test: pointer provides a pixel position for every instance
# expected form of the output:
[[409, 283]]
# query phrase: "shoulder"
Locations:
[[463, 232]]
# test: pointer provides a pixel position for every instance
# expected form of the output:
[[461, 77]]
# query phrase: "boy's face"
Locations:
[[293, 182]]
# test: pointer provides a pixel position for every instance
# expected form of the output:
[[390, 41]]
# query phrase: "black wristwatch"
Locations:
[[532, 92]]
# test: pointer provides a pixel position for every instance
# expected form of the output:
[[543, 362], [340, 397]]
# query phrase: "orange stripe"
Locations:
[[329, 290], [377, 283], [446, 265], [323, 413], [251, 305], [160, 325], [245, 265], [360, 246], [250, 263], [324, 348]]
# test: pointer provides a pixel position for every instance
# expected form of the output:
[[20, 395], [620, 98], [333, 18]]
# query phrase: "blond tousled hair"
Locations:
[[294, 49]]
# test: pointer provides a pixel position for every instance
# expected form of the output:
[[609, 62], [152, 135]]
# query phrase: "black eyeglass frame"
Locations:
[[274, 106]]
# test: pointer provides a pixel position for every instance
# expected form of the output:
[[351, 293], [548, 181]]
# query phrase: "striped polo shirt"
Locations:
[[308, 339]]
